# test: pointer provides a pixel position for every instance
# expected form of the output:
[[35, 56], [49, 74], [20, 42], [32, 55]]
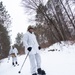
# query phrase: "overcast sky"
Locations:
[[19, 18]]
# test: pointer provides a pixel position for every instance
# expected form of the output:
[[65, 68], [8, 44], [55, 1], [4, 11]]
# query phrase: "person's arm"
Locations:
[[16, 50], [25, 42], [10, 51], [39, 47], [9, 54]]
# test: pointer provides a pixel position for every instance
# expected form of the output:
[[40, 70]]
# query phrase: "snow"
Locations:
[[53, 62]]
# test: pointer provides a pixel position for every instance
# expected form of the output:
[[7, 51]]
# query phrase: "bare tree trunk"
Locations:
[[49, 22], [70, 9], [58, 28], [67, 14], [59, 17]]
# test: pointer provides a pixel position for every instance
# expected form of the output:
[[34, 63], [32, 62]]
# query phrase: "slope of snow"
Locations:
[[53, 62]]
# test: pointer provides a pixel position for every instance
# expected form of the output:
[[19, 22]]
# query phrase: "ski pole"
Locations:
[[23, 63]]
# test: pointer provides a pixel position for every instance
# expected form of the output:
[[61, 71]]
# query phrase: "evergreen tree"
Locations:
[[19, 39], [4, 31], [4, 16], [4, 41], [19, 44]]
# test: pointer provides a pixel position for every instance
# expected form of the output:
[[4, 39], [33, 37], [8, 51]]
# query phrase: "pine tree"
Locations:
[[19, 44], [4, 33], [4, 16]]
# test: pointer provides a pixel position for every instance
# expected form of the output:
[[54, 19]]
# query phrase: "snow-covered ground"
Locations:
[[53, 62]]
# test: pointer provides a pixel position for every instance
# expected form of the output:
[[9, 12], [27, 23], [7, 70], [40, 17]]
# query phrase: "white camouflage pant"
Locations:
[[14, 59], [35, 62]]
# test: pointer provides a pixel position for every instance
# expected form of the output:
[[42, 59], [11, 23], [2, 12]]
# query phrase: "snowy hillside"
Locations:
[[58, 62]]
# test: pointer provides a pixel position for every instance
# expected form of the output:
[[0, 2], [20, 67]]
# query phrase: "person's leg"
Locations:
[[13, 61], [38, 60], [33, 64], [15, 58]]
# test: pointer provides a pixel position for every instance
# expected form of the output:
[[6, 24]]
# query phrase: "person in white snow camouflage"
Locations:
[[13, 53], [32, 46]]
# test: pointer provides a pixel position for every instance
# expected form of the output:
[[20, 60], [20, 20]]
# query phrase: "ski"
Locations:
[[41, 74]]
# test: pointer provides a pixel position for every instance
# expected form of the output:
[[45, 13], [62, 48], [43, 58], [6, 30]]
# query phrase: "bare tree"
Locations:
[[52, 17], [68, 14]]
